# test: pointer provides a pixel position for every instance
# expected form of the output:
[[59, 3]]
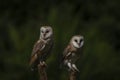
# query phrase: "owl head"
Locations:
[[46, 32], [77, 41]]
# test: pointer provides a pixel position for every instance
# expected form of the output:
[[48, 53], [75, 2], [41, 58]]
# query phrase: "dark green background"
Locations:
[[97, 20]]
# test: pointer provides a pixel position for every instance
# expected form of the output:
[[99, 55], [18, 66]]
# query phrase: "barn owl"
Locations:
[[72, 52], [42, 48]]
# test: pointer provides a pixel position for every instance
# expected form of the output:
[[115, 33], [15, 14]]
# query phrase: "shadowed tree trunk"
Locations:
[[72, 75], [42, 71]]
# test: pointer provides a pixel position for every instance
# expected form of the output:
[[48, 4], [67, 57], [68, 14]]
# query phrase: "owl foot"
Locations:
[[43, 63]]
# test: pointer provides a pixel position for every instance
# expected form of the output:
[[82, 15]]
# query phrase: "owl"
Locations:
[[72, 52], [42, 48]]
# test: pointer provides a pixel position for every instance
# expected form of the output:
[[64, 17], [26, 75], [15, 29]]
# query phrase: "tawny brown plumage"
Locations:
[[42, 47], [72, 52]]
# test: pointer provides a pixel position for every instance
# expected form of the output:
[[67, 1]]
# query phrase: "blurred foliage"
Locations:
[[97, 20]]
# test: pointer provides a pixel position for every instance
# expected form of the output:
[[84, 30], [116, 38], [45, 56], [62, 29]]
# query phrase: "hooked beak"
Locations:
[[44, 36]]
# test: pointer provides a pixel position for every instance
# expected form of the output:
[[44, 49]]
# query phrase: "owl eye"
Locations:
[[47, 31], [81, 40], [42, 31], [75, 40]]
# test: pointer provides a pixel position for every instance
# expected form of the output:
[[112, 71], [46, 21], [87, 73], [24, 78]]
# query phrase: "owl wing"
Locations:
[[48, 51], [38, 47], [66, 53]]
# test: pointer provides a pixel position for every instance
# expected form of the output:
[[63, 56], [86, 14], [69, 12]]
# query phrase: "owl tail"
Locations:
[[32, 62]]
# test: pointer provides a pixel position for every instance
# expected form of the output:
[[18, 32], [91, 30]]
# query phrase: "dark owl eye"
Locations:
[[81, 40], [42, 31], [47, 31], [75, 40]]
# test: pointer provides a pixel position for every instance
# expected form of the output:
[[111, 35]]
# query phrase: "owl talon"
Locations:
[[44, 63], [41, 63]]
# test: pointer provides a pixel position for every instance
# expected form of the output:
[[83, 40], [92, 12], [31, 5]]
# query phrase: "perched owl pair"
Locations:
[[43, 47]]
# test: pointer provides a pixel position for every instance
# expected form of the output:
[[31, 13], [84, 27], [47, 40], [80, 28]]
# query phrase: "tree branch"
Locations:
[[72, 75], [42, 71]]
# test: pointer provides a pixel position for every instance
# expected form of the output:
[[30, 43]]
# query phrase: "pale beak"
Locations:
[[44, 35]]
